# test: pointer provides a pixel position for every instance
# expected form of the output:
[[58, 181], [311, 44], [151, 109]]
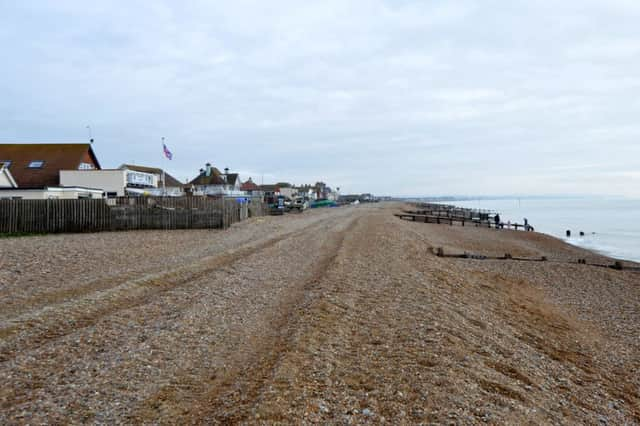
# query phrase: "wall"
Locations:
[[4, 181], [106, 180], [25, 194], [288, 192], [49, 193]]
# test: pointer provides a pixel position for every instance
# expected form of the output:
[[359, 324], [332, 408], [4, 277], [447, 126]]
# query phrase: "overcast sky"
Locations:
[[393, 97]]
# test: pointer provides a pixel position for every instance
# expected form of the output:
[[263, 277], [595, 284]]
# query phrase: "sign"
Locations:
[[139, 178]]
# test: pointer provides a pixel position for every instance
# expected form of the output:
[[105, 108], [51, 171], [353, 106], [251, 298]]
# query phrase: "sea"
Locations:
[[611, 225]]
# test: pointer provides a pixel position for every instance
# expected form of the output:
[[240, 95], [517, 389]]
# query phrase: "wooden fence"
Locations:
[[87, 215]]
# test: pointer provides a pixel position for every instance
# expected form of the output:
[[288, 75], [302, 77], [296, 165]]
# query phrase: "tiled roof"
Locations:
[[270, 188], [214, 178], [231, 178], [249, 186], [55, 157]]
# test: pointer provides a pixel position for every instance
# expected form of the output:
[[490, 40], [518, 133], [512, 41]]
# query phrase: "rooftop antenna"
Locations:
[[90, 134]]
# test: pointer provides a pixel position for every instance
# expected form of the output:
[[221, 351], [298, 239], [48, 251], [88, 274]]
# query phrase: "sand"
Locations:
[[333, 316]]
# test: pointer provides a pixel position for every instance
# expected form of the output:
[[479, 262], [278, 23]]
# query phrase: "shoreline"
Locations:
[[593, 251], [587, 215]]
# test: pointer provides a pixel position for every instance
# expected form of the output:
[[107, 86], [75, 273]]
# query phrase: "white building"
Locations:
[[125, 181], [211, 182]]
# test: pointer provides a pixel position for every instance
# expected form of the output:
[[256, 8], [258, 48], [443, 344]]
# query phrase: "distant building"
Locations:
[[361, 198], [250, 188], [306, 192], [287, 189], [270, 193], [165, 183], [211, 181], [127, 180], [35, 170]]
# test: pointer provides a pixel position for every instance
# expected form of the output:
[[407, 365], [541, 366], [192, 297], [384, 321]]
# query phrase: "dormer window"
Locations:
[[36, 164], [85, 166]]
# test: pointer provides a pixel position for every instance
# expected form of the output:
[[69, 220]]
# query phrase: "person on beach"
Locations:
[[496, 218], [526, 224]]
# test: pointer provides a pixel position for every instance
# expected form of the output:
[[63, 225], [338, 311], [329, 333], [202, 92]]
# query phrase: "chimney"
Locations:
[[208, 169]]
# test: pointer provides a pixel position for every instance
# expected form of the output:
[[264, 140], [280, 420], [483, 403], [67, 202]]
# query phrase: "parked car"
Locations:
[[299, 204]]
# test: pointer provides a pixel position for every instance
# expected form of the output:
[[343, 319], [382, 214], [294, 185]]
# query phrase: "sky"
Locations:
[[405, 98]]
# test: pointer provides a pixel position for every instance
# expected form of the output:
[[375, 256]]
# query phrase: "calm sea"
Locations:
[[611, 225]]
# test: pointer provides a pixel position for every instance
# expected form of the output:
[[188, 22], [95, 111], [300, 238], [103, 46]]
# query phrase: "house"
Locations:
[[127, 180], [306, 192], [165, 184], [287, 189], [211, 181], [250, 188], [35, 170]]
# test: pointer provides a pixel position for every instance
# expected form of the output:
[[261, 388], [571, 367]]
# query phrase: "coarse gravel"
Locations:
[[331, 316]]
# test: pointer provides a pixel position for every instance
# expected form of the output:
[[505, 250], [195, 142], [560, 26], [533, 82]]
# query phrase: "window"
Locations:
[[36, 164], [85, 166], [6, 163]]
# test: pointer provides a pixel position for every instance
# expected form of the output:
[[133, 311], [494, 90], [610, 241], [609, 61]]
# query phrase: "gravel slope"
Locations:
[[339, 315]]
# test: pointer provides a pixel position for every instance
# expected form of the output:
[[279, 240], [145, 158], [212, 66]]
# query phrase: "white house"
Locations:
[[211, 182]]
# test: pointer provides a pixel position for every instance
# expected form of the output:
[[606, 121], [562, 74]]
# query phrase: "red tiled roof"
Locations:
[[56, 157], [249, 186]]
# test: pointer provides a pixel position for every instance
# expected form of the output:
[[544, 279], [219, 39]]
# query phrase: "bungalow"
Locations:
[[211, 181], [250, 188], [35, 170]]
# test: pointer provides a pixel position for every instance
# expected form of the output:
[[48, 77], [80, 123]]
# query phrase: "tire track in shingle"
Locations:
[[36, 328], [227, 395]]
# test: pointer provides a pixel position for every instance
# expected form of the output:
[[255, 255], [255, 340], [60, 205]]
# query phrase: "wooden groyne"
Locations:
[[450, 215], [447, 210], [617, 265]]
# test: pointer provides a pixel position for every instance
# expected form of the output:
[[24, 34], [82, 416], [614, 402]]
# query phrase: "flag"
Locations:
[[167, 153]]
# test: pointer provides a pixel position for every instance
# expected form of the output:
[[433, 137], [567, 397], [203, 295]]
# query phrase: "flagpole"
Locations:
[[164, 187]]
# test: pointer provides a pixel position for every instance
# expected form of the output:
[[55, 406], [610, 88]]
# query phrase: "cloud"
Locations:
[[394, 97]]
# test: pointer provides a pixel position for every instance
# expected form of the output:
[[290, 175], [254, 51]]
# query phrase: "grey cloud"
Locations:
[[396, 97]]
